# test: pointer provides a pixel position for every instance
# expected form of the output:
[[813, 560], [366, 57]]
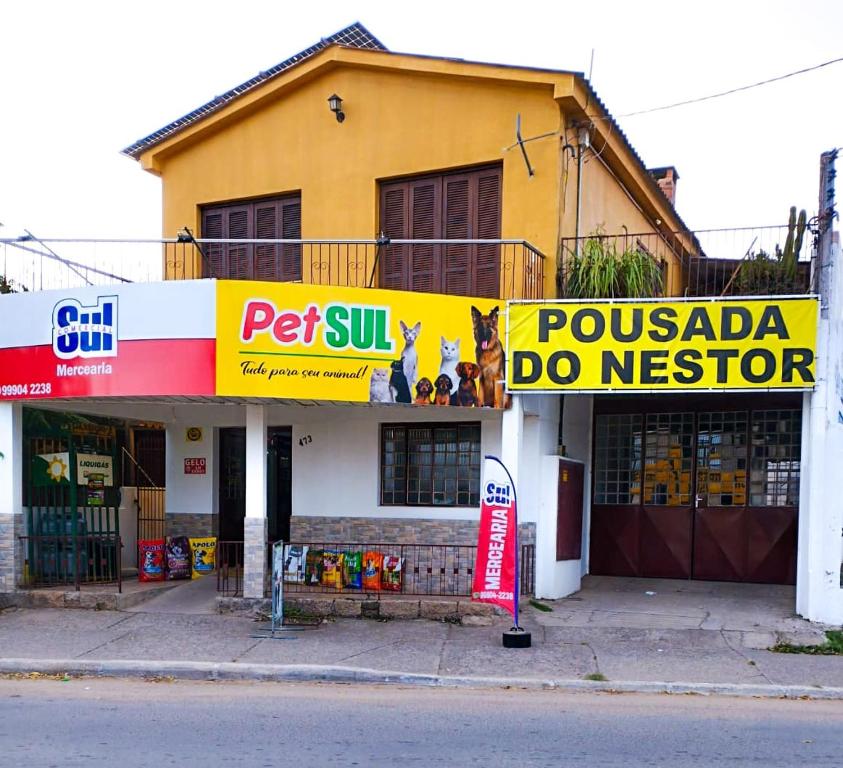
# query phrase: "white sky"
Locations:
[[81, 80]]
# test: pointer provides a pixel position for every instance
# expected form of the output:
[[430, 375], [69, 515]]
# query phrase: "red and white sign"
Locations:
[[195, 466], [109, 341], [496, 567]]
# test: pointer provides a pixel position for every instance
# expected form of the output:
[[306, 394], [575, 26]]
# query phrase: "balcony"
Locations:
[[504, 269], [716, 262]]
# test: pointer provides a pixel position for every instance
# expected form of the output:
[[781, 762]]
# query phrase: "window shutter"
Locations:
[[394, 225], [266, 226], [457, 215], [239, 256], [424, 220], [487, 259], [212, 228], [290, 230]]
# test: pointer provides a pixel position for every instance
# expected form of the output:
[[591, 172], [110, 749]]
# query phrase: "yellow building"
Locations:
[[419, 148]]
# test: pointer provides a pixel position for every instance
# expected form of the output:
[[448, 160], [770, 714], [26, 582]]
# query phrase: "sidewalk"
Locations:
[[665, 641]]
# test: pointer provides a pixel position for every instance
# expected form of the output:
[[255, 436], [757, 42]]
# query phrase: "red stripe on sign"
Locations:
[[146, 367]]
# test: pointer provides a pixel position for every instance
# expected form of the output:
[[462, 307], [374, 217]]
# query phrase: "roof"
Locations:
[[353, 36]]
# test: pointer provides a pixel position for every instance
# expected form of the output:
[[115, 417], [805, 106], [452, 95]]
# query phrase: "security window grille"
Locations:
[[277, 218], [669, 456], [430, 465], [775, 458], [721, 458], [618, 459]]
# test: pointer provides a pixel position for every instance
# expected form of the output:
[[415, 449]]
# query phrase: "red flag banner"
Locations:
[[496, 567]]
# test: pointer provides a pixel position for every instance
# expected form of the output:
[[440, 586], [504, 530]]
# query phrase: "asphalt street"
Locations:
[[86, 721]]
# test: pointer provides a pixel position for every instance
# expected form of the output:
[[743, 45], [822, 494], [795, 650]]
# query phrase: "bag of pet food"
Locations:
[[313, 568], [372, 567], [352, 570], [151, 560], [392, 570], [295, 559], [203, 554], [177, 555], [332, 561]]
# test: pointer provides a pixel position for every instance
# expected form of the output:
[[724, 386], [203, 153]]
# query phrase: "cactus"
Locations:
[[793, 244]]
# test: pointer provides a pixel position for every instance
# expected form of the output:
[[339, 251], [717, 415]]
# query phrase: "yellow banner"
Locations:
[[309, 342], [723, 344]]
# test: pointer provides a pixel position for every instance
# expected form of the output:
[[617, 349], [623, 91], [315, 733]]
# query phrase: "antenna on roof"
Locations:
[[520, 142]]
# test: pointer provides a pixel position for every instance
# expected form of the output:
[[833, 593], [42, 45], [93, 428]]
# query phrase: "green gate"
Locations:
[[72, 500]]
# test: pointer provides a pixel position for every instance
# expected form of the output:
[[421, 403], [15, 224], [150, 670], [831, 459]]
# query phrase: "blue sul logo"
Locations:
[[80, 331]]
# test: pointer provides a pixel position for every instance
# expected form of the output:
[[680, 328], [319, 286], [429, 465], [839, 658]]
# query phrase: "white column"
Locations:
[[254, 525], [512, 439], [819, 596], [11, 491]]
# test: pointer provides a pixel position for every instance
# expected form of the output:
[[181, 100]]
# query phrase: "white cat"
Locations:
[[410, 355], [450, 351], [379, 391]]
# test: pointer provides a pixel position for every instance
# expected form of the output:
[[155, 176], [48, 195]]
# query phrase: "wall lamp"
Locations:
[[335, 105]]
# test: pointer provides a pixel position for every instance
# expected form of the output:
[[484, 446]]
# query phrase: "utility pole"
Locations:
[[821, 279]]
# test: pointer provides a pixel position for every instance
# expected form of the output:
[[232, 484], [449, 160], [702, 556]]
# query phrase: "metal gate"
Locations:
[[71, 504]]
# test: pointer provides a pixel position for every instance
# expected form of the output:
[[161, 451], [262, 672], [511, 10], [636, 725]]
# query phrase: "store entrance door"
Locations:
[[232, 489], [697, 493]]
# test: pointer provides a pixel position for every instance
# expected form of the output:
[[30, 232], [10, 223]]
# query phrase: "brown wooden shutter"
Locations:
[[212, 228], [487, 258], [394, 224], [424, 225], [454, 206], [457, 214], [239, 256], [266, 226], [271, 219], [290, 230]]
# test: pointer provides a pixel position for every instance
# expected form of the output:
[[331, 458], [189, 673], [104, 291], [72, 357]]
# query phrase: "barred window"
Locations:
[[618, 459], [430, 464], [774, 469]]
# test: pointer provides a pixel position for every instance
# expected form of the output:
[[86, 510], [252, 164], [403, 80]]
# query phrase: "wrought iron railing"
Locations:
[[68, 263], [714, 262], [71, 561], [399, 569]]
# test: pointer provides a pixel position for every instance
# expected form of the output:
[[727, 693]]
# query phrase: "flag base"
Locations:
[[517, 637]]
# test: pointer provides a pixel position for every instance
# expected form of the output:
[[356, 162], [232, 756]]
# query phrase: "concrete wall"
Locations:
[[189, 494], [11, 493]]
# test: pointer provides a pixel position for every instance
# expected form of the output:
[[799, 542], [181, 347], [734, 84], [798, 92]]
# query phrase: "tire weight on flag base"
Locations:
[[517, 637], [496, 568]]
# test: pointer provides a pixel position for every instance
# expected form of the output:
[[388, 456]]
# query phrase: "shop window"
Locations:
[[617, 466], [774, 468], [668, 459], [721, 458], [430, 465]]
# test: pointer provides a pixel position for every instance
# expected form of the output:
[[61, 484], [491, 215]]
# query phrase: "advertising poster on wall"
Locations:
[[730, 344], [108, 341], [310, 342]]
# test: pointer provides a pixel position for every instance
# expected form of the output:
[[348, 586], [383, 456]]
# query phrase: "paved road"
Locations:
[[89, 722]]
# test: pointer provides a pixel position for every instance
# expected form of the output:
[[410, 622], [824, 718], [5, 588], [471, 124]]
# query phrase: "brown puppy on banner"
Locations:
[[443, 390], [490, 358]]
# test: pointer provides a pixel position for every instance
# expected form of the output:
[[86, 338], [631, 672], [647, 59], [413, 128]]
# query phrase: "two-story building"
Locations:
[[341, 231]]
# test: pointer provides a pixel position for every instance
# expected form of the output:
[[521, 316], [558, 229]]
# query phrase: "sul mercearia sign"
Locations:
[[496, 567]]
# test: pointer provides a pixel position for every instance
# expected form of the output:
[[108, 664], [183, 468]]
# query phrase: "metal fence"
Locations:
[[52, 561], [714, 262], [32, 264], [416, 569]]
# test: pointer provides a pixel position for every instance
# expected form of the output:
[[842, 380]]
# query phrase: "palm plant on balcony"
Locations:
[[599, 270]]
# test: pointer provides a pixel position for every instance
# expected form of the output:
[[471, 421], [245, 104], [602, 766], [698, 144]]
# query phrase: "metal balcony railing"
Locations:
[[492, 268], [715, 262]]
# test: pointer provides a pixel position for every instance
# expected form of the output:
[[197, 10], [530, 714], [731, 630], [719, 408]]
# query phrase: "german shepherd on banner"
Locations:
[[490, 358]]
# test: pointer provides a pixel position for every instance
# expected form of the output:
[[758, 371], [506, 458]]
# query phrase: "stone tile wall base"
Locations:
[[337, 530], [10, 567], [198, 526], [369, 607]]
